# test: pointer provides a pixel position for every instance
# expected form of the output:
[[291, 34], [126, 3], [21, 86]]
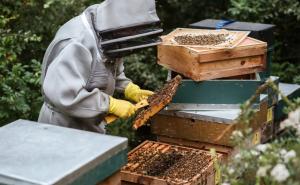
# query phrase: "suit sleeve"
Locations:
[[64, 84], [121, 81]]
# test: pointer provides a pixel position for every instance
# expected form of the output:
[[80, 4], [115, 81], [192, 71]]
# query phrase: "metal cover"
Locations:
[[216, 116], [289, 90], [34, 153], [292, 91]]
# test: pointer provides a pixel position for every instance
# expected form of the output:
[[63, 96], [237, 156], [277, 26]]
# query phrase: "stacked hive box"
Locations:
[[259, 31], [263, 32], [206, 106], [205, 109]]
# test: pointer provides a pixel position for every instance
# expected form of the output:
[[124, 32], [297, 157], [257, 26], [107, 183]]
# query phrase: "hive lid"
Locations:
[[288, 89], [264, 32], [33, 153], [211, 23], [216, 116], [230, 38]]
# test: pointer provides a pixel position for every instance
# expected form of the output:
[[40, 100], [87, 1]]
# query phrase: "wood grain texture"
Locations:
[[200, 63], [115, 179], [203, 131], [199, 145]]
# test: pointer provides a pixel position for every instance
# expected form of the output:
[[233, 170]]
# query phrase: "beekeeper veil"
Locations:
[[125, 26]]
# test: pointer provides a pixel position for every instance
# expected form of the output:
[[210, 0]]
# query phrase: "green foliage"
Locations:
[[17, 78], [176, 13], [285, 14], [26, 29], [288, 72], [144, 71], [274, 163]]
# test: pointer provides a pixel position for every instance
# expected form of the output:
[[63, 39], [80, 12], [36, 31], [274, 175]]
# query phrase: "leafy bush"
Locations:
[[176, 13], [276, 162], [285, 14], [26, 29], [144, 71], [288, 72], [18, 78], [272, 163]]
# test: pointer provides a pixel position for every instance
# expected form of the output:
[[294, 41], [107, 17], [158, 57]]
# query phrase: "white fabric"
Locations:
[[77, 79], [115, 14]]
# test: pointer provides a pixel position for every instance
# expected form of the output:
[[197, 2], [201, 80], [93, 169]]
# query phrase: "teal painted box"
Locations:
[[214, 94], [42, 154]]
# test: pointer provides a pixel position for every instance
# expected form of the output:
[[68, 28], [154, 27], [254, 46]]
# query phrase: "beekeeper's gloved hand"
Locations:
[[121, 108], [135, 93]]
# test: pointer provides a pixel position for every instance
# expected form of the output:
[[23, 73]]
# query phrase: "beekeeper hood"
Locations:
[[127, 25]]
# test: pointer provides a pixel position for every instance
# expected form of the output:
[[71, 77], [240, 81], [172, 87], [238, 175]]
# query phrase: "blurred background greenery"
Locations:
[[28, 26]]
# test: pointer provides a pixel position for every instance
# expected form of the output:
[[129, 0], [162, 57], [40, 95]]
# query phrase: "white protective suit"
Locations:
[[77, 78]]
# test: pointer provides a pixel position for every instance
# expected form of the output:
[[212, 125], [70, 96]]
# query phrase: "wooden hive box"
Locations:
[[156, 163], [213, 126], [201, 63]]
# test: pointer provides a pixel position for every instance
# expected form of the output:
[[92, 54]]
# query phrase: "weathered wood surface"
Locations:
[[194, 144], [268, 128], [200, 63], [201, 130], [112, 180]]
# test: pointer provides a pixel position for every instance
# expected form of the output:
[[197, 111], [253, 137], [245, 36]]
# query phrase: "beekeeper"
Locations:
[[82, 66]]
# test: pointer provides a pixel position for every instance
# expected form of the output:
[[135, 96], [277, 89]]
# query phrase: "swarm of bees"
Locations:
[[206, 39]]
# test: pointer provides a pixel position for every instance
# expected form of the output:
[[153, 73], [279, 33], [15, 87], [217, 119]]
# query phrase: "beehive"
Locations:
[[212, 126], [160, 163], [210, 62]]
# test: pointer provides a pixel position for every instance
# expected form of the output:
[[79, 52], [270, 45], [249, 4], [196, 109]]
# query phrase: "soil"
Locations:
[[175, 165], [157, 101], [208, 39]]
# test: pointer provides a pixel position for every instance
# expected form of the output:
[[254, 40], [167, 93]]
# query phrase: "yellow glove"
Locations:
[[121, 108], [135, 93]]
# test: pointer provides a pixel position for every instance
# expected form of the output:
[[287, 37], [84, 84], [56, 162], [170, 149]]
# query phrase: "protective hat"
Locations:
[[125, 26]]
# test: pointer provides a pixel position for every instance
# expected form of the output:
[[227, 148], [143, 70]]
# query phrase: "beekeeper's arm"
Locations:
[[132, 91], [64, 86]]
